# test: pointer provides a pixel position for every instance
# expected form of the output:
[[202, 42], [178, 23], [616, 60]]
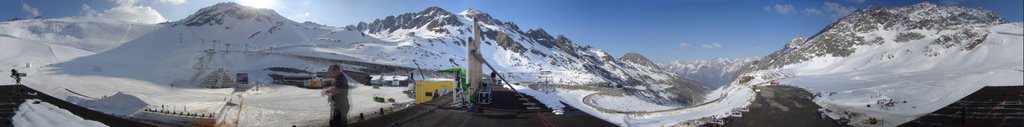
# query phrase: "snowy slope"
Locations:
[[926, 55], [46, 41], [927, 84], [157, 65], [711, 72]]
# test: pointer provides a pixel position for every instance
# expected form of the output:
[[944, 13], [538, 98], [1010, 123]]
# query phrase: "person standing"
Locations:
[[338, 96], [494, 78], [17, 78], [369, 80], [411, 75]]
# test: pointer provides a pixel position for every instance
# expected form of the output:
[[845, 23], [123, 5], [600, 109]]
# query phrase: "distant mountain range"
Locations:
[[712, 73], [430, 39]]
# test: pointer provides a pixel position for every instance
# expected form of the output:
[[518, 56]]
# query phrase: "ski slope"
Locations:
[[925, 83], [122, 78]]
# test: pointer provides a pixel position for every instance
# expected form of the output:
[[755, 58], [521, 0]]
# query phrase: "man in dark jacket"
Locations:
[[17, 78], [338, 97]]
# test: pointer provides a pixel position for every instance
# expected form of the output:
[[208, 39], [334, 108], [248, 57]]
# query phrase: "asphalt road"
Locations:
[[782, 106]]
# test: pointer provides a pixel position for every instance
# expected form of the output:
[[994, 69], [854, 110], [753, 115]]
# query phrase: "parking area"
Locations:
[[781, 106]]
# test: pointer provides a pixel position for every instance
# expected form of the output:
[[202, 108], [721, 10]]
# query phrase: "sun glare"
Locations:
[[258, 3]]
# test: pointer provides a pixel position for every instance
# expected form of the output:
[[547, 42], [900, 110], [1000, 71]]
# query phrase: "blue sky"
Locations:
[[662, 30]]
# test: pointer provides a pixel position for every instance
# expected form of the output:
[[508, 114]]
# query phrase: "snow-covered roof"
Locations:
[[42, 114]]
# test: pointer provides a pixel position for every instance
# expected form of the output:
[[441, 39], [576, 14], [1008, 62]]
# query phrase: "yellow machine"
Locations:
[[425, 90]]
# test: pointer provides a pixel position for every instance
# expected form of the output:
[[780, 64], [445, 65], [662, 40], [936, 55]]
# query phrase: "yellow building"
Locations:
[[425, 90], [317, 83]]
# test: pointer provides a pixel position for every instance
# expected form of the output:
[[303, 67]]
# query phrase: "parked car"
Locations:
[[735, 114], [744, 109], [718, 122]]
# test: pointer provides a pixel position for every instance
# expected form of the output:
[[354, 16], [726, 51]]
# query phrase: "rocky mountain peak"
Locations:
[[539, 34], [432, 18], [434, 12], [840, 38], [434, 9], [472, 11], [638, 59], [216, 14], [921, 16], [480, 16], [796, 42], [924, 5]]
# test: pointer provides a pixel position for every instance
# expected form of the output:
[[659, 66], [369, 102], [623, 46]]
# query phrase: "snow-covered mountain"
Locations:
[[153, 64], [924, 54], [647, 71], [524, 52], [945, 27], [711, 72]]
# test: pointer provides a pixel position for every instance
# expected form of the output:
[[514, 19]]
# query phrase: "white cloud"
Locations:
[[34, 12], [837, 10], [88, 11], [780, 8], [134, 13], [857, 1], [126, 10], [171, 2], [125, 2], [711, 46], [811, 11], [684, 45]]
